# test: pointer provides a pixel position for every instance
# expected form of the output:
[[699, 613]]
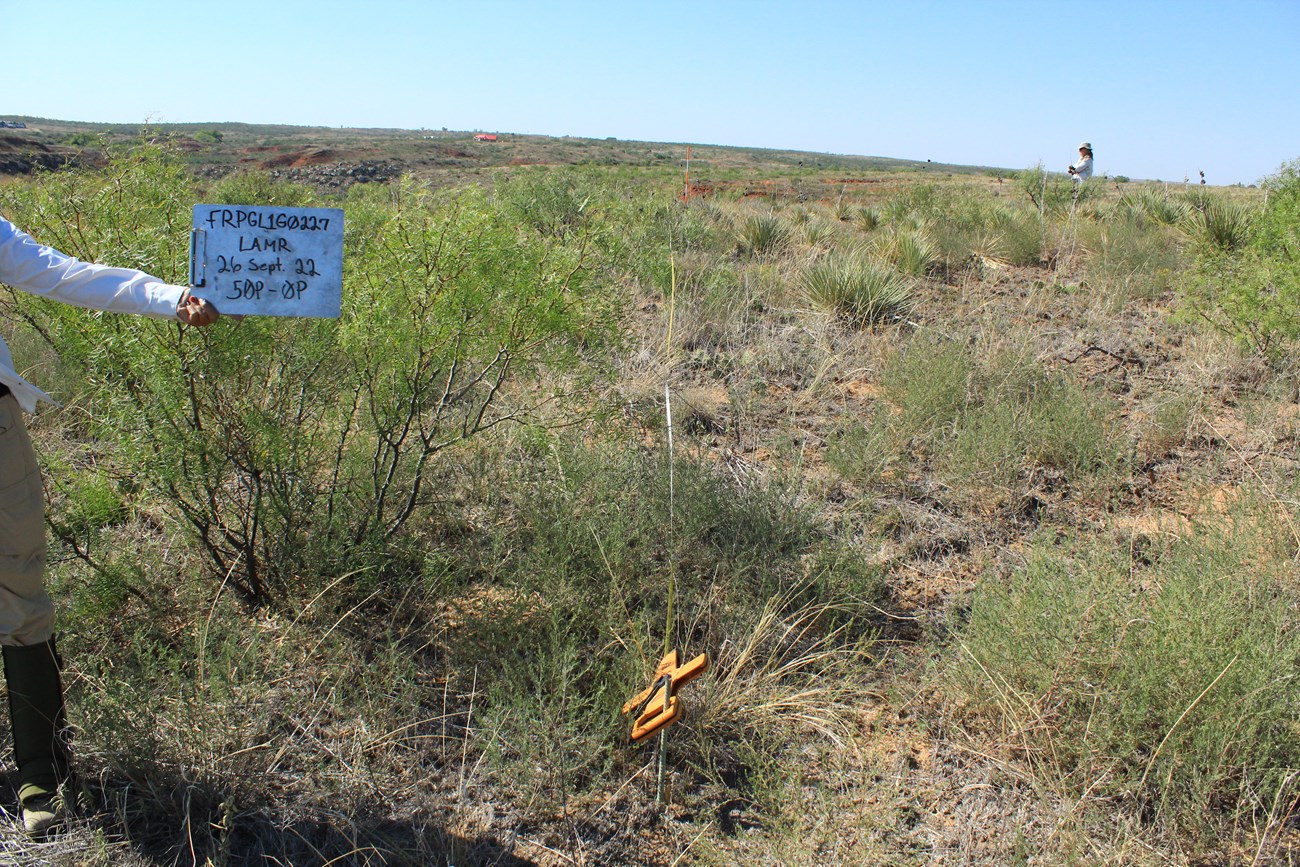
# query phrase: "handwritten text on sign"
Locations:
[[260, 260]]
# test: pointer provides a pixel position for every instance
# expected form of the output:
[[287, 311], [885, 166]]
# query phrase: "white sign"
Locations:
[[260, 260]]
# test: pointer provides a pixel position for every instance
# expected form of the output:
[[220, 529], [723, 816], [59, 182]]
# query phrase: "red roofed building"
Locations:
[[485, 136]]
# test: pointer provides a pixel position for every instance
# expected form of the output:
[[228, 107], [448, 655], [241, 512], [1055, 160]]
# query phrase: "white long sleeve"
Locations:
[[41, 270]]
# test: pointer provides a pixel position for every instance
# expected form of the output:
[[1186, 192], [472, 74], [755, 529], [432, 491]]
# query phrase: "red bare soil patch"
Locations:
[[278, 161], [767, 189], [301, 159], [704, 188], [314, 158]]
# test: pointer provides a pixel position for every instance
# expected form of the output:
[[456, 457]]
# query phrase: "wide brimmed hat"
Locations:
[[1085, 146]]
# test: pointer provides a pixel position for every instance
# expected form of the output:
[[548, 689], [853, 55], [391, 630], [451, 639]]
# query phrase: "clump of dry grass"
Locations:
[[819, 233], [792, 670], [1172, 419]]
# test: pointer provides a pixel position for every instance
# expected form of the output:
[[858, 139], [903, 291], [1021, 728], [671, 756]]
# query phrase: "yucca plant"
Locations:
[[761, 234], [1157, 205], [818, 233], [911, 251], [867, 218], [1225, 225], [987, 246], [857, 289], [1199, 198]]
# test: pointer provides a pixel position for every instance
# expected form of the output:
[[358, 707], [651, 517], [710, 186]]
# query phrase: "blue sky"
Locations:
[[1161, 89]]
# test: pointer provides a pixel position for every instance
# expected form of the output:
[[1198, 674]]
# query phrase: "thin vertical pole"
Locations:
[[672, 519], [686, 195]]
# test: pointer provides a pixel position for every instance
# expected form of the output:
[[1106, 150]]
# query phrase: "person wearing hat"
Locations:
[[1082, 170], [31, 662]]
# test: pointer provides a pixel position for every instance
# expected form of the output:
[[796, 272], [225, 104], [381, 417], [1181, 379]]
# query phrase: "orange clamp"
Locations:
[[657, 705]]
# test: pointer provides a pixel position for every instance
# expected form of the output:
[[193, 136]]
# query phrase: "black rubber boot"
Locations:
[[40, 732]]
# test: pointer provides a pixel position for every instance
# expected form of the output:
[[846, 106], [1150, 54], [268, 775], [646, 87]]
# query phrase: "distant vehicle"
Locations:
[[485, 136], [12, 124]]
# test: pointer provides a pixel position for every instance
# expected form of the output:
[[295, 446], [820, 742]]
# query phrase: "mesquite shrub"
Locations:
[[299, 450]]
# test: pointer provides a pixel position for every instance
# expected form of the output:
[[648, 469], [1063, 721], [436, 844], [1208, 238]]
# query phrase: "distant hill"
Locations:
[[330, 157]]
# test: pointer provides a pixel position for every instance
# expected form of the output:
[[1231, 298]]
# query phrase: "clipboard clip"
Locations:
[[198, 257]]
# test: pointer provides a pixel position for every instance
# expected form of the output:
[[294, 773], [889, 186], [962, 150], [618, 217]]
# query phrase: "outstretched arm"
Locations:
[[33, 267]]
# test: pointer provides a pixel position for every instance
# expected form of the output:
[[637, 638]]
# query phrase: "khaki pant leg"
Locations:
[[26, 611]]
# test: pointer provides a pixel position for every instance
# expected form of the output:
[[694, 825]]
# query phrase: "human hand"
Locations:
[[197, 311]]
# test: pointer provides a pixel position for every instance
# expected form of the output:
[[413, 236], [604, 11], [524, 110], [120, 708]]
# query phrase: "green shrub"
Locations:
[[89, 501], [1024, 418], [931, 382], [85, 140], [1251, 289], [1164, 680], [988, 425], [653, 235], [864, 450], [257, 187], [551, 714], [555, 202], [298, 450], [1277, 228], [1051, 193], [916, 205]]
